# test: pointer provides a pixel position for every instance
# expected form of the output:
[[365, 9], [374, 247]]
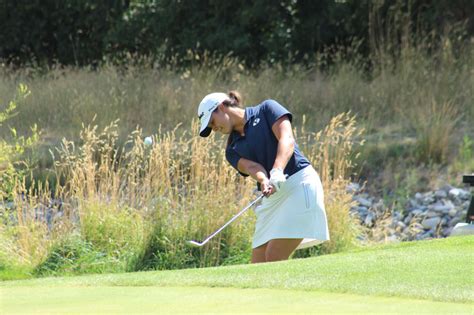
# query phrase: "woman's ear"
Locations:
[[221, 107]]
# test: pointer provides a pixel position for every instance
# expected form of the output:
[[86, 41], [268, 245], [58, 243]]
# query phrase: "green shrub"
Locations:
[[118, 232], [464, 161], [73, 255], [12, 166]]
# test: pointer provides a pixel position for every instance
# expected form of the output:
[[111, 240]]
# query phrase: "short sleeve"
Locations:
[[274, 111], [233, 158]]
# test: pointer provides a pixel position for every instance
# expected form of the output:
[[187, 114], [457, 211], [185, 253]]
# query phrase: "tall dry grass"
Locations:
[[137, 205], [333, 152], [402, 77], [435, 123]]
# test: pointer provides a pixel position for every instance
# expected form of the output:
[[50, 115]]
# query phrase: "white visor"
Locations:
[[207, 106]]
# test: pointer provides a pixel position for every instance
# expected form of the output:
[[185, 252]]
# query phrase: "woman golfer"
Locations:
[[261, 144]]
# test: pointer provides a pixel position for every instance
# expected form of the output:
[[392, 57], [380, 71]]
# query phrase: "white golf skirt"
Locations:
[[295, 211]]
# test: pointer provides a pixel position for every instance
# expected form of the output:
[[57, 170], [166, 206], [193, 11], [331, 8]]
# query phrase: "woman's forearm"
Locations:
[[257, 172]]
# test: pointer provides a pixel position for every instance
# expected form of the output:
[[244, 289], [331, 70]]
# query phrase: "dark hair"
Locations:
[[235, 99]]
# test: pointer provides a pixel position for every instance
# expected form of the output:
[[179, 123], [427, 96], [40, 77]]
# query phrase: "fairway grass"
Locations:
[[204, 300], [431, 277]]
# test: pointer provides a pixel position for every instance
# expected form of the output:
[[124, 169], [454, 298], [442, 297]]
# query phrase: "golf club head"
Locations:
[[195, 243]]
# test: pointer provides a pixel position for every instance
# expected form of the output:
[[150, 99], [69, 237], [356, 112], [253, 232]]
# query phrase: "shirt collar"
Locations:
[[250, 112]]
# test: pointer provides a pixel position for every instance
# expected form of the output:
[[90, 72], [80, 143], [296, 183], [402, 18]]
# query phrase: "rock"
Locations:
[[464, 194], [441, 194], [440, 208], [364, 202], [369, 220], [379, 206], [433, 231], [401, 224], [431, 214], [463, 229], [455, 221], [397, 216], [424, 215], [428, 194], [446, 188], [408, 218], [363, 195], [431, 223], [447, 231], [362, 210], [417, 227], [452, 212], [413, 204], [353, 188], [455, 192], [354, 209], [424, 236], [444, 221], [428, 200]]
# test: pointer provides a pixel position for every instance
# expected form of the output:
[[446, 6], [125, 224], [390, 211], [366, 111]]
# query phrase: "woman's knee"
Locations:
[[274, 255], [281, 249], [258, 254]]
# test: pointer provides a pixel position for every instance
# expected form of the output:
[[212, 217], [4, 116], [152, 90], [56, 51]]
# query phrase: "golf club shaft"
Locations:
[[231, 220]]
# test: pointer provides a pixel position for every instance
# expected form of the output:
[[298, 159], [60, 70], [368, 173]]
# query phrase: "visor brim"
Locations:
[[206, 132]]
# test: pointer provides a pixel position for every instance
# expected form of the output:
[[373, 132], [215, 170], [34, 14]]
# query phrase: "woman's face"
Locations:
[[220, 121]]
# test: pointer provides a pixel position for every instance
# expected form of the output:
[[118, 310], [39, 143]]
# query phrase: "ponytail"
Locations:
[[235, 99]]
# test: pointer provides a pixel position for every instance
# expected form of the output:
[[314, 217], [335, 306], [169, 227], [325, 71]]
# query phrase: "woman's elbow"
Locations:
[[290, 143]]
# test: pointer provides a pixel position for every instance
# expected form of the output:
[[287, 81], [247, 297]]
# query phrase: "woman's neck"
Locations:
[[238, 119]]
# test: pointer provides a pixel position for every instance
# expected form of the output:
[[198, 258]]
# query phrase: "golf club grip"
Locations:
[[233, 218]]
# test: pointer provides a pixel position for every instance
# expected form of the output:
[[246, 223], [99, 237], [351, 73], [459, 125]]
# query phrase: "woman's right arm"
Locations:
[[257, 172]]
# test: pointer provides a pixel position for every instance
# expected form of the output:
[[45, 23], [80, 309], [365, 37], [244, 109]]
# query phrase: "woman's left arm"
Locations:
[[286, 142]]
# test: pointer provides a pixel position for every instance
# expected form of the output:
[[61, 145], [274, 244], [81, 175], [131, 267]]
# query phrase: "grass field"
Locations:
[[431, 277]]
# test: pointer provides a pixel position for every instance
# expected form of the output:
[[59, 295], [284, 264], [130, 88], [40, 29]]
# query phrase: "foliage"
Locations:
[[73, 255], [12, 168], [464, 162], [256, 32]]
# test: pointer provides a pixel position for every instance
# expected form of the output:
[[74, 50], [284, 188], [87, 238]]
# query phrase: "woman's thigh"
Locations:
[[258, 254], [281, 249]]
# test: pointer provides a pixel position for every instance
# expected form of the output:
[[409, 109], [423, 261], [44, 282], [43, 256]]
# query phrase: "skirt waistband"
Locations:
[[297, 178]]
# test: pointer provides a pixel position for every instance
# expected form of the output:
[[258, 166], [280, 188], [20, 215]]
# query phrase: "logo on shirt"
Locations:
[[256, 121]]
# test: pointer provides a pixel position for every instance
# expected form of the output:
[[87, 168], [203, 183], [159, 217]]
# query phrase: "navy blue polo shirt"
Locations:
[[259, 143]]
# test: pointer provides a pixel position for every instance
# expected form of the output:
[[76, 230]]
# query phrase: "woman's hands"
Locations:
[[258, 173], [267, 188], [277, 178]]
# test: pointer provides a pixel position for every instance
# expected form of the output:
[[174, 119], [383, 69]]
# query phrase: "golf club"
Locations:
[[230, 221]]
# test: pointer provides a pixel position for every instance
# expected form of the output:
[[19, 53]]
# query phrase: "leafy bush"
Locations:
[[73, 255], [119, 233], [464, 162], [12, 168], [16, 227], [87, 32]]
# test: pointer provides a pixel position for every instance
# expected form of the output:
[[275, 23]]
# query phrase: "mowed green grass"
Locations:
[[428, 277], [205, 300]]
